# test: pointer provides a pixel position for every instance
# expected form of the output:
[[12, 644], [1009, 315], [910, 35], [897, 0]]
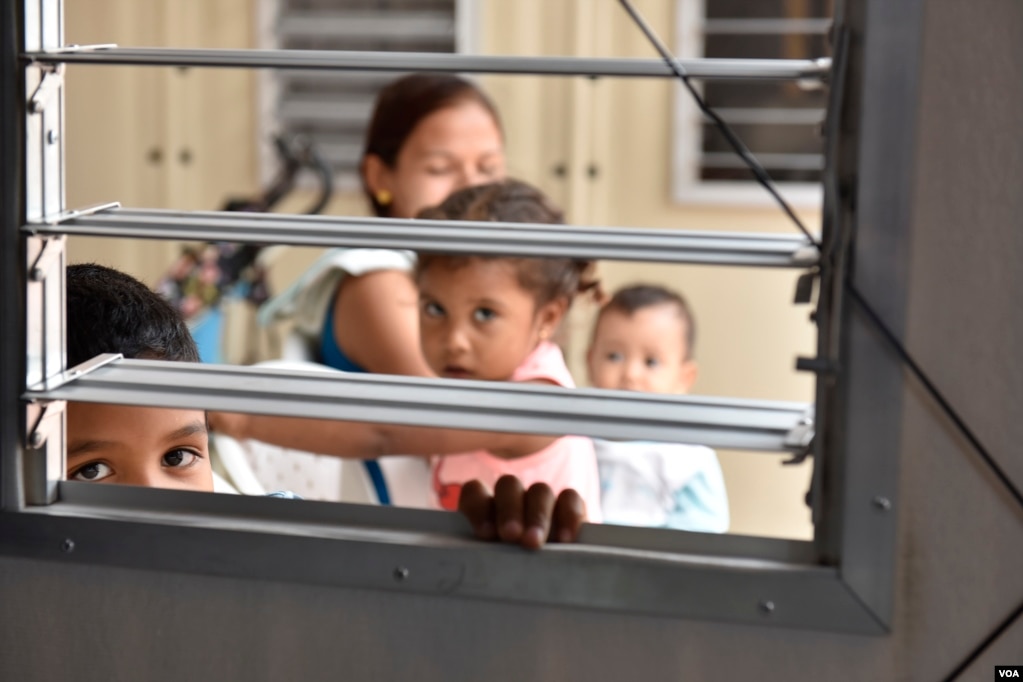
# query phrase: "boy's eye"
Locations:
[[652, 362], [437, 170], [93, 471], [614, 356], [180, 458], [431, 309], [484, 314]]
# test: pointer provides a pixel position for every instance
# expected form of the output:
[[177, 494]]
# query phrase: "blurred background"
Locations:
[[616, 152]]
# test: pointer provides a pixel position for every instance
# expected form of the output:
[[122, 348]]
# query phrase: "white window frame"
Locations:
[[841, 581], [686, 185]]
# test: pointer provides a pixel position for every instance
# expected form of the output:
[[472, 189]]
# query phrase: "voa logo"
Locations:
[[1008, 673]]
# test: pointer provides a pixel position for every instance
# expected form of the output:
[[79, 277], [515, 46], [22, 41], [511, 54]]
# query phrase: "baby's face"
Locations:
[[147, 446], [645, 351]]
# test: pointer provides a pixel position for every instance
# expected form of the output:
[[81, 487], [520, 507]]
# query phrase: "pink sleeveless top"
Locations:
[[568, 462]]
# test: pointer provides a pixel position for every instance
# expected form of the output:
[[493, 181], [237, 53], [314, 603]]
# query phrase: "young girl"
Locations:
[[486, 318], [356, 309], [491, 318]]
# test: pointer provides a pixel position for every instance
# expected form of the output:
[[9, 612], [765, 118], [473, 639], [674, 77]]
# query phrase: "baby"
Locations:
[[643, 341]]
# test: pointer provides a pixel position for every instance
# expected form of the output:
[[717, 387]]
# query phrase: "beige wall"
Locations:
[[157, 137], [128, 128]]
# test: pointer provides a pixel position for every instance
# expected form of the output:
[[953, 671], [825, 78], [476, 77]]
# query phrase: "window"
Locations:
[[780, 121], [786, 583]]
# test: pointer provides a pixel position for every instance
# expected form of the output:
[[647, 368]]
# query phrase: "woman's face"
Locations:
[[452, 148]]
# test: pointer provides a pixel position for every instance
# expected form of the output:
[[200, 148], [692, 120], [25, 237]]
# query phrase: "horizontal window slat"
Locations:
[[769, 116], [505, 406], [532, 240], [383, 24], [338, 110], [318, 81], [780, 161], [742, 69], [773, 26]]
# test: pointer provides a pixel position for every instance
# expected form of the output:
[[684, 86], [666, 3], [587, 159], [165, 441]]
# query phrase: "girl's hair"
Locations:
[[513, 201], [402, 104]]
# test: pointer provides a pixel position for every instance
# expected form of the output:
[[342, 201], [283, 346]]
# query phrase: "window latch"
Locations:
[[799, 438], [805, 286], [51, 82], [46, 421], [69, 375]]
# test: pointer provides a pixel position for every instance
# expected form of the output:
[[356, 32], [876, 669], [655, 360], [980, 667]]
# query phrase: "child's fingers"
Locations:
[[569, 514], [477, 505], [508, 498], [539, 508]]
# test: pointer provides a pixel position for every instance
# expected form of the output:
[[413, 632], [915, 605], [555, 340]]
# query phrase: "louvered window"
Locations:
[[841, 581], [779, 121], [332, 108]]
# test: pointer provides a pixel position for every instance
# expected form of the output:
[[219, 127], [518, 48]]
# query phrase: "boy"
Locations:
[[111, 312], [643, 341]]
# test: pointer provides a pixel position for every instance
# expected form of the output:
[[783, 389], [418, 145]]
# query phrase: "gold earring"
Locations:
[[383, 197]]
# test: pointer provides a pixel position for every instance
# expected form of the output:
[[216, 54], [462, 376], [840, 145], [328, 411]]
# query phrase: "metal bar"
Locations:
[[740, 69], [322, 108], [478, 405], [360, 547], [767, 26], [766, 116], [43, 461], [813, 162], [12, 255], [408, 25], [670, 246]]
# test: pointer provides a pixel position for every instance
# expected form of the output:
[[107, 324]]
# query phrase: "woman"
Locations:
[[357, 309]]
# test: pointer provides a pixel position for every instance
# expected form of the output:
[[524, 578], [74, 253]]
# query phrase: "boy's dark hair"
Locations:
[[514, 201], [636, 297], [111, 312]]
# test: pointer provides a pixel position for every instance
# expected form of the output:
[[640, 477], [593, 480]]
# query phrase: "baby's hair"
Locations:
[[109, 311], [636, 297], [514, 201]]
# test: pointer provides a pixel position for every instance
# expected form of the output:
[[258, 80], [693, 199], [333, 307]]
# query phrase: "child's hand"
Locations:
[[518, 516]]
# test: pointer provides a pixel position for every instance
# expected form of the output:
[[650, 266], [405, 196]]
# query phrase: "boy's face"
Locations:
[[147, 446], [645, 351], [477, 322]]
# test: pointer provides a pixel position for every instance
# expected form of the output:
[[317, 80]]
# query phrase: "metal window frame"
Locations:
[[841, 581]]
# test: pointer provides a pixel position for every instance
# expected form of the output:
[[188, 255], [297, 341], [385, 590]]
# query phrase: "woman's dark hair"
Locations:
[[636, 297], [403, 104], [111, 312], [514, 201]]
